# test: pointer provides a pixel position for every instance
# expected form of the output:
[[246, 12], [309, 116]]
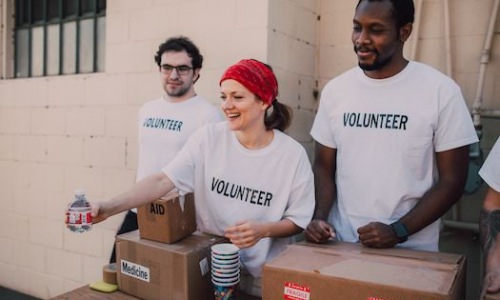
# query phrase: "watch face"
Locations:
[[400, 231]]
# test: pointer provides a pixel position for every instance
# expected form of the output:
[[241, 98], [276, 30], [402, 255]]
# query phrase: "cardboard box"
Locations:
[[153, 270], [167, 220], [351, 271]]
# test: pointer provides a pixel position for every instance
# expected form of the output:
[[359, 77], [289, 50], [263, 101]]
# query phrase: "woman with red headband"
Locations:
[[253, 183]]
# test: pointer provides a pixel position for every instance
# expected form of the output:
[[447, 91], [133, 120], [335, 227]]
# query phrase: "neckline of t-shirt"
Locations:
[[385, 81], [255, 152], [180, 103]]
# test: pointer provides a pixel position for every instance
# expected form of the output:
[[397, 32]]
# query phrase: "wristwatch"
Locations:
[[401, 231]]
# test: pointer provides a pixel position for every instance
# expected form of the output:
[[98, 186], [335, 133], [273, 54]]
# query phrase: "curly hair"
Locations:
[[180, 43]]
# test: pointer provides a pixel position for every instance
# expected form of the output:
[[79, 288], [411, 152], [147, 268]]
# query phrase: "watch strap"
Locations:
[[401, 231]]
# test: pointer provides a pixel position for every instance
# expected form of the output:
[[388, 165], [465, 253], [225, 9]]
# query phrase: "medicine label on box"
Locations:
[[135, 270]]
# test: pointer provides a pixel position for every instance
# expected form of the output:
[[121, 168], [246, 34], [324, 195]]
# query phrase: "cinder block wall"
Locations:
[[293, 52], [64, 132]]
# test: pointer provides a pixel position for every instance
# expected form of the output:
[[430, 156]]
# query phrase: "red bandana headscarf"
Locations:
[[256, 77]]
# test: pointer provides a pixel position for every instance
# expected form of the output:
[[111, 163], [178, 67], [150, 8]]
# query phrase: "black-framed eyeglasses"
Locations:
[[181, 70]]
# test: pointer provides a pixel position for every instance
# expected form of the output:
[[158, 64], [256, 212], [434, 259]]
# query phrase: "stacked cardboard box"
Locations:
[[167, 220], [166, 258], [352, 271], [152, 270]]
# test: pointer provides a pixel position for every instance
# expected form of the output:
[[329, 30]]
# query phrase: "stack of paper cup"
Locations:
[[225, 270]]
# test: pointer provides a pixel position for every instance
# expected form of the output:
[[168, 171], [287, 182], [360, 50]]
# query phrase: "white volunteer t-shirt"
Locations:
[[386, 133], [232, 184], [490, 171], [164, 128]]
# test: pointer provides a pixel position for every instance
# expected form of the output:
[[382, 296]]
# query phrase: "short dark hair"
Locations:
[[180, 43], [403, 11]]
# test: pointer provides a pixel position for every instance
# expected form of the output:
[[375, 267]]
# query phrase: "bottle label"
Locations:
[[79, 218]]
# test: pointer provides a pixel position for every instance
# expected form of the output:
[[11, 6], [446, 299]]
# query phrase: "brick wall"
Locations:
[[65, 132]]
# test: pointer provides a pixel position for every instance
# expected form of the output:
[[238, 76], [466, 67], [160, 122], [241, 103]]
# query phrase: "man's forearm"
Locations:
[[489, 227], [433, 205], [452, 167], [324, 169], [325, 193]]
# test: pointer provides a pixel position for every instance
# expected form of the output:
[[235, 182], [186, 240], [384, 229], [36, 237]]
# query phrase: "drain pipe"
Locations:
[[316, 91], [447, 42], [490, 113], [447, 39]]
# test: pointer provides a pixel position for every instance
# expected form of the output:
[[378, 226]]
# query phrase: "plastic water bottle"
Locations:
[[79, 216]]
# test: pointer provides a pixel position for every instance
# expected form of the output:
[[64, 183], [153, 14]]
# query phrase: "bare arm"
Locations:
[[142, 192], [489, 229], [324, 167], [452, 167]]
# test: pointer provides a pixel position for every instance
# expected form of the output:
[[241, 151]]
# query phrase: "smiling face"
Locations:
[[243, 110], [178, 87], [377, 41]]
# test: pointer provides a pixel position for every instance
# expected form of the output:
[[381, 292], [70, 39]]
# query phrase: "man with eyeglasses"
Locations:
[[166, 123]]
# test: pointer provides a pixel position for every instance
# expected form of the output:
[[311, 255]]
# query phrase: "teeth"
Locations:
[[233, 115]]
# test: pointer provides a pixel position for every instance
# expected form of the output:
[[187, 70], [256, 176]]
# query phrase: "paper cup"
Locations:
[[225, 281], [225, 292], [225, 271], [216, 266], [221, 274], [226, 261], [225, 257], [225, 249]]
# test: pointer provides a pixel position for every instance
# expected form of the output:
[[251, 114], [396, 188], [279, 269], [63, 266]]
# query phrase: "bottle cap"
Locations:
[[79, 192]]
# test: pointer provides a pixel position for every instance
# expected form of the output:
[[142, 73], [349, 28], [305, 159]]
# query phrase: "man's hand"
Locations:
[[491, 283], [377, 235], [319, 231], [489, 229]]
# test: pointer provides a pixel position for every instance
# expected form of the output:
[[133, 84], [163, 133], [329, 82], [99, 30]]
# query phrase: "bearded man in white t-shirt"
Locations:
[[392, 140], [166, 123]]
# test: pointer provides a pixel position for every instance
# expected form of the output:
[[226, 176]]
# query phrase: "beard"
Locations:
[[177, 92], [376, 65]]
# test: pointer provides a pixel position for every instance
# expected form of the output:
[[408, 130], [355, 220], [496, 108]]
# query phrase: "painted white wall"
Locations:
[[65, 132]]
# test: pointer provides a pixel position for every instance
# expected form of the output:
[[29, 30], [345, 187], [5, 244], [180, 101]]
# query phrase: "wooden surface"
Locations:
[[86, 293], [493, 296]]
